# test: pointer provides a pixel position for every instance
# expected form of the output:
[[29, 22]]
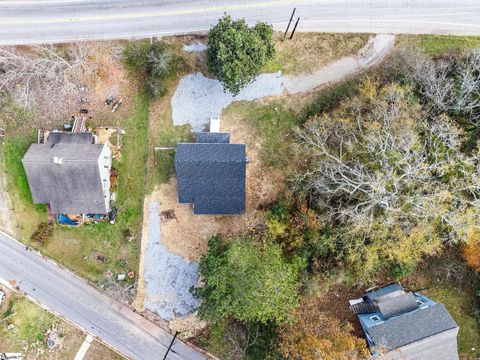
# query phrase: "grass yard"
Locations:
[[307, 52], [72, 246], [31, 322], [442, 44]]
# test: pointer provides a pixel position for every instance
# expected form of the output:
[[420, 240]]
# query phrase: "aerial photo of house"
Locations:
[[240, 180]]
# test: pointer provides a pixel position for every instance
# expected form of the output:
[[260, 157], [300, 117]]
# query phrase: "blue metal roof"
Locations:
[[211, 176]]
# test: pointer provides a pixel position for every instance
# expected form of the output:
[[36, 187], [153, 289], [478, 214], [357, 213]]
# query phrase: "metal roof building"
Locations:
[[211, 174]]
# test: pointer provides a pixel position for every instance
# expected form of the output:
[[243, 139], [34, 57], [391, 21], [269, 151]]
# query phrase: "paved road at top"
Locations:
[[35, 21], [79, 302]]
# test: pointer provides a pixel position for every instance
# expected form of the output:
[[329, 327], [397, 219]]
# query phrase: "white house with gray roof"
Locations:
[[406, 325], [70, 173]]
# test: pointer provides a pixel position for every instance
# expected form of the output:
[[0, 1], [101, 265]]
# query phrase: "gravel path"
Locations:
[[199, 98], [195, 47], [168, 277], [371, 54]]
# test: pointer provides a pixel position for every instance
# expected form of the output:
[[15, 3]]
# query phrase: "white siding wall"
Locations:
[[105, 165]]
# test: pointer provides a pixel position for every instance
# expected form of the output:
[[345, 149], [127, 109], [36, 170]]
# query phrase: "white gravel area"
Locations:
[[196, 46], [199, 98], [168, 277]]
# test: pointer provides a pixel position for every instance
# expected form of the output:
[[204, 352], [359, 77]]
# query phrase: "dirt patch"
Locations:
[[112, 138], [6, 218]]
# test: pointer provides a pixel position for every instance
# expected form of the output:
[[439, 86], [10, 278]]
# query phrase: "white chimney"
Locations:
[[57, 160]]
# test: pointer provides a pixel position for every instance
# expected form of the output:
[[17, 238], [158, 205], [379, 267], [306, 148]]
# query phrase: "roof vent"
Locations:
[[57, 160]]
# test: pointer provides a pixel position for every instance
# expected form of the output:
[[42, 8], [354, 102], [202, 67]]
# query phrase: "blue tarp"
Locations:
[[65, 220]]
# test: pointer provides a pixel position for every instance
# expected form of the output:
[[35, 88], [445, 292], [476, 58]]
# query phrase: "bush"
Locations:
[[43, 233], [237, 53], [154, 61]]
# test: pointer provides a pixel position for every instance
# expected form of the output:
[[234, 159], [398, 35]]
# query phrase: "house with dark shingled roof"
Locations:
[[406, 325], [211, 174]]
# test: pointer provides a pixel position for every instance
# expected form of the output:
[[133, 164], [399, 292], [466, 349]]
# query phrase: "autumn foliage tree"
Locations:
[[316, 334], [471, 250], [390, 185]]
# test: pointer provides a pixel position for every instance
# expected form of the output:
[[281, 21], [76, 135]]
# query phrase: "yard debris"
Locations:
[[10, 326], [167, 215], [110, 100], [131, 274], [52, 337], [109, 274], [98, 257], [116, 104]]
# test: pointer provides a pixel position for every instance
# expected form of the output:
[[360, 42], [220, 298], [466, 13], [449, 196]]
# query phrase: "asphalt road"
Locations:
[[35, 21], [71, 297]]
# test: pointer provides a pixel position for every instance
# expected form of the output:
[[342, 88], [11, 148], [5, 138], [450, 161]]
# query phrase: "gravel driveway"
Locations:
[[199, 98], [168, 277]]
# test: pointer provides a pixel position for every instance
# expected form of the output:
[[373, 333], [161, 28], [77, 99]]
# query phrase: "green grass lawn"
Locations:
[[31, 322], [461, 305], [442, 44], [72, 246]]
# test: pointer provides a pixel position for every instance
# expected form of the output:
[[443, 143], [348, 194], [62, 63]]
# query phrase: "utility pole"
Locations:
[[294, 28], [288, 26], [170, 346]]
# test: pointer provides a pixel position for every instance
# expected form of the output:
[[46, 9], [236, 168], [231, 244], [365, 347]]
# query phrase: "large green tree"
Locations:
[[247, 283], [236, 53]]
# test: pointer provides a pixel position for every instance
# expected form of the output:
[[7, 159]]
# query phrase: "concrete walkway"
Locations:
[[84, 348]]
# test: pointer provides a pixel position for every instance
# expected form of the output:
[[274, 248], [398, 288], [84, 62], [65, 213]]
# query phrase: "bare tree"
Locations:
[[45, 78], [451, 85], [392, 164]]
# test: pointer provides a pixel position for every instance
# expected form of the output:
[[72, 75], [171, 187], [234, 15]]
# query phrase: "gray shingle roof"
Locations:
[[211, 176], [58, 137], [412, 327], [376, 294], [208, 137], [75, 185], [394, 306]]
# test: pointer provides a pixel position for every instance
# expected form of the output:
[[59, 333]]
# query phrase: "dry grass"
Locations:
[[98, 351], [307, 52]]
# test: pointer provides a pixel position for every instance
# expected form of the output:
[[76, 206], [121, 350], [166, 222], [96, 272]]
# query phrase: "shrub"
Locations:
[[43, 233], [237, 53], [155, 62]]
